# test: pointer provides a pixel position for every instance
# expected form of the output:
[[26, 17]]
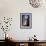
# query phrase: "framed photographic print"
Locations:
[[25, 20]]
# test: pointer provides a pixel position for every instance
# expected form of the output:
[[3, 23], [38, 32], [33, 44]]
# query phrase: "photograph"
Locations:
[[25, 20]]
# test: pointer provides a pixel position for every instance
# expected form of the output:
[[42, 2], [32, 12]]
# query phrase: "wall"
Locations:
[[13, 8]]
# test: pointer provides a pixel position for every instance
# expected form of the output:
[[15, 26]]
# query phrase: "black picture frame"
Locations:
[[25, 20]]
